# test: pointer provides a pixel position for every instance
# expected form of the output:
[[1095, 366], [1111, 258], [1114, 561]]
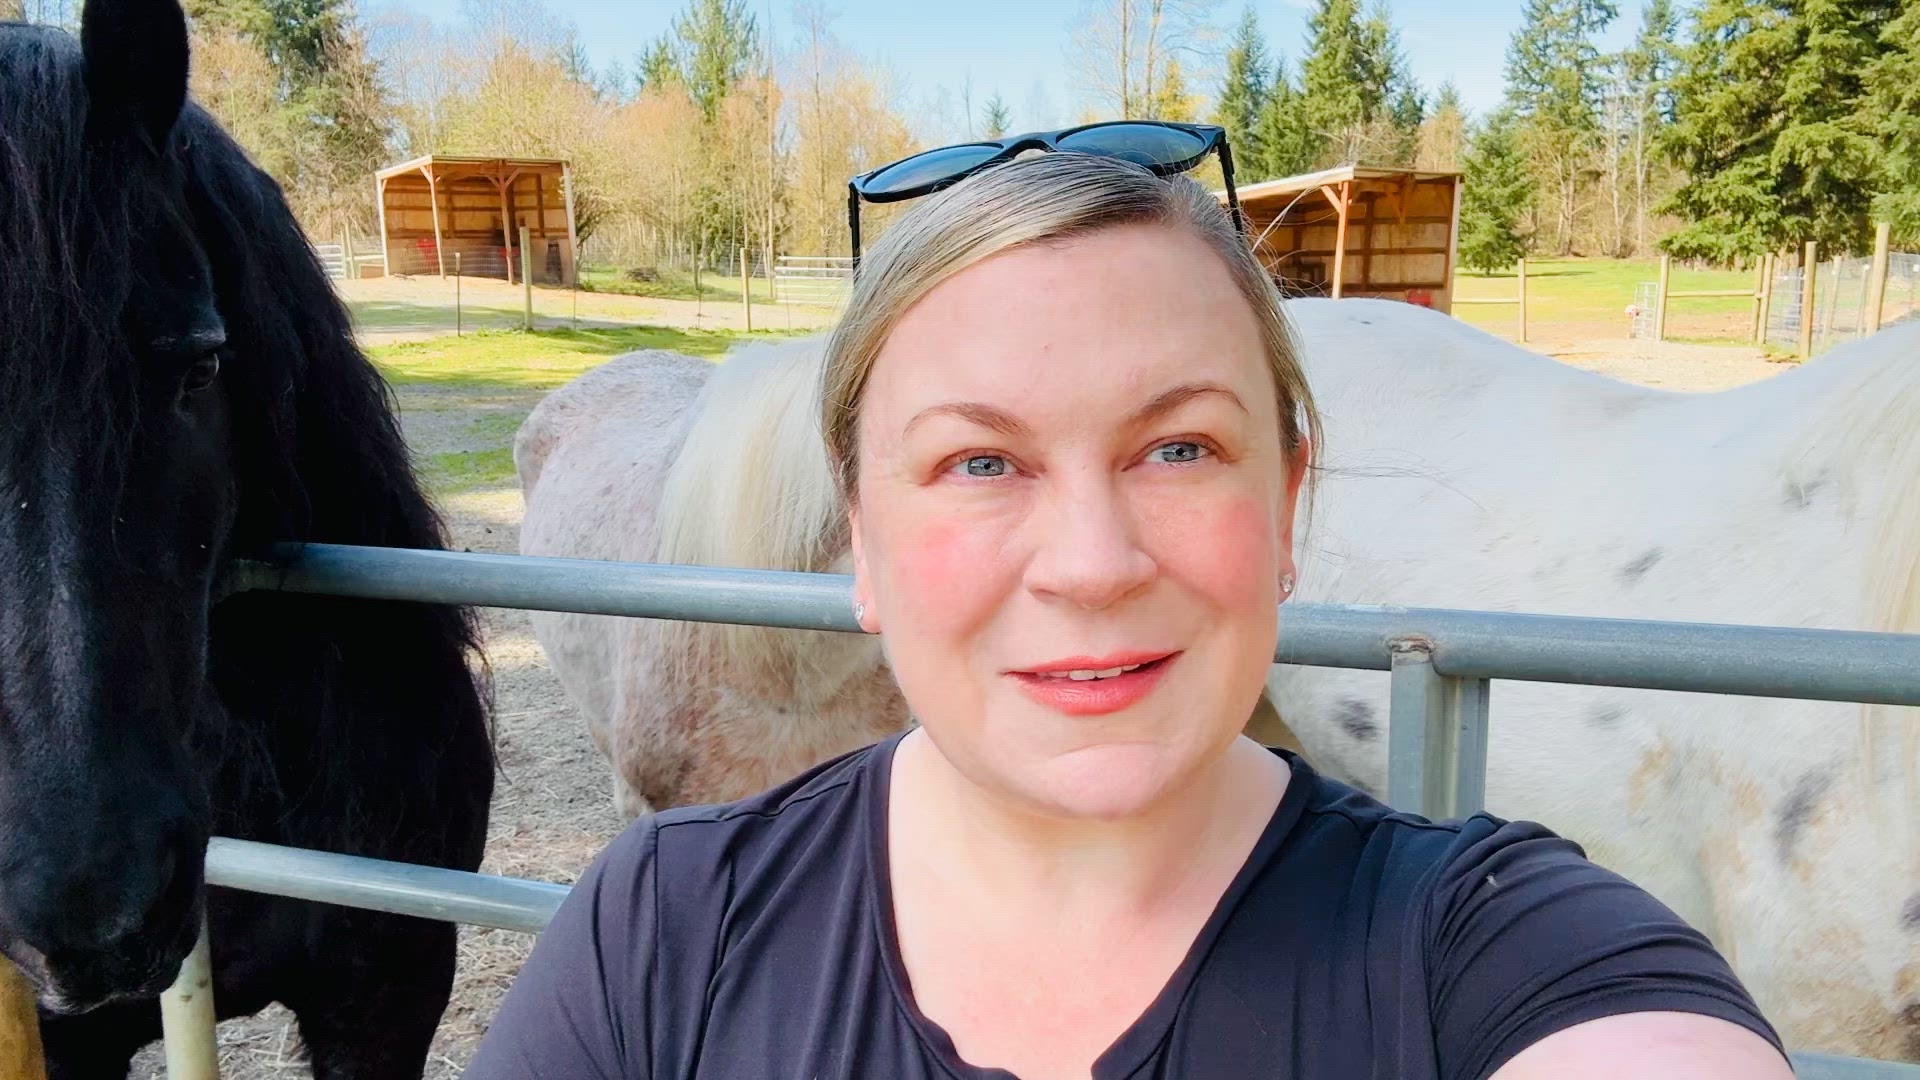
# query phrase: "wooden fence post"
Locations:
[[1660, 301], [1833, 302], [456, 294], [746, 300], [1877, 276], [1523, 299], [526, 271], [21, 1056], [1809, 266], [1763, 303]]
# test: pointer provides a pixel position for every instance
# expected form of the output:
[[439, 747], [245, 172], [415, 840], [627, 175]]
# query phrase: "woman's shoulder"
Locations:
[[1345, 816]]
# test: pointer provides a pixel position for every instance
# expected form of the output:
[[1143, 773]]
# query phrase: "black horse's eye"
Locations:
[[201, 373]]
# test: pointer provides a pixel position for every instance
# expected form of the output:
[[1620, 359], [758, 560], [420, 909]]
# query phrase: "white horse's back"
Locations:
[[1464, 472]]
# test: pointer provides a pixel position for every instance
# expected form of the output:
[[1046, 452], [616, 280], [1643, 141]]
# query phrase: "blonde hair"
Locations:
[[1034, 200]]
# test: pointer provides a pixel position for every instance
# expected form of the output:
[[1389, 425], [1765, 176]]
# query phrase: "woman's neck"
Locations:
[[979, 841]]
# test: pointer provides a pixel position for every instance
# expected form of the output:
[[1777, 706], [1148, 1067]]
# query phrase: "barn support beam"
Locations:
[[386, 255], [505, 184], [433, 204], [1342, 202], [573, 238]]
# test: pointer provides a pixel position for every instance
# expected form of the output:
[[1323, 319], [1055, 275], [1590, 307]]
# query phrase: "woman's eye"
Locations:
[[1178, 452], [984, 465]]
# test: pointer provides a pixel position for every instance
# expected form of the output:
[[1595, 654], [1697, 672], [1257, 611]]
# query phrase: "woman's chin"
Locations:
[[1109, 782]]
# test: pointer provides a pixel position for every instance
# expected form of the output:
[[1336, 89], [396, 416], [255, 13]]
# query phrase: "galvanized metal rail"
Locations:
[[1442, 662]]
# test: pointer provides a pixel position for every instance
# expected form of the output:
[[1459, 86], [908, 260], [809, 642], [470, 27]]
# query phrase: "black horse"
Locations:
[[178, 387]]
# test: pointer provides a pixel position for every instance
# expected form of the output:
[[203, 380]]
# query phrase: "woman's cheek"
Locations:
[[948, 569], [1223, 548]]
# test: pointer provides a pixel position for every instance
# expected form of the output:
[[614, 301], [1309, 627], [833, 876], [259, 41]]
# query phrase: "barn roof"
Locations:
[[450, 163], [1293, 185]]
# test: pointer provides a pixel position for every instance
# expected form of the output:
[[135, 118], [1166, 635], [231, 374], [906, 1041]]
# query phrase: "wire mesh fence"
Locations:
[[1842, 291]]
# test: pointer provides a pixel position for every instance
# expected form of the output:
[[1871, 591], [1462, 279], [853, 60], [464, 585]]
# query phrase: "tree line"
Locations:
[[1723, 130]]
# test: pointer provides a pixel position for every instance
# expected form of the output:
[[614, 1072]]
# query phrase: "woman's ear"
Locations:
[[863, 610], [1298, 462]]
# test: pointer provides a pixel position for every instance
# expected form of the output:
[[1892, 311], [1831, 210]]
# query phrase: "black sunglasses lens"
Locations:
[[1142, 144], [930, 167]]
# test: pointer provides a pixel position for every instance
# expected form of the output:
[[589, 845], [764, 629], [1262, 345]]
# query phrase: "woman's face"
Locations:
[[1070, 459]]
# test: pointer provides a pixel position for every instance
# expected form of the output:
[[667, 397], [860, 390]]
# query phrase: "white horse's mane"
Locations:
[[751, 488]]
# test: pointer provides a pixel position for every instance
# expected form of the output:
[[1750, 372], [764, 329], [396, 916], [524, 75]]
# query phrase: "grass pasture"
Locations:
[[1589, 298], [462, 398]]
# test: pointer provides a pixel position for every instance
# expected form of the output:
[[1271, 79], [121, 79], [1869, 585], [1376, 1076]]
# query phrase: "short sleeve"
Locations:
[[580, 1006], [1526, 937]]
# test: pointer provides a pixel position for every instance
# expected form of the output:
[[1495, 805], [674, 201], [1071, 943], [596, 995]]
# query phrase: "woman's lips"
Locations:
[[1093, 697]]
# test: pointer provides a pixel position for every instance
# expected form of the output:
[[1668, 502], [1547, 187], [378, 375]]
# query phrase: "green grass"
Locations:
[[1599, 290], [674, 285], [464, 470], [536, 360]]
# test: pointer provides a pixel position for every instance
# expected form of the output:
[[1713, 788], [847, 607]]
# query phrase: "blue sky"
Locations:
[[1020, 47]]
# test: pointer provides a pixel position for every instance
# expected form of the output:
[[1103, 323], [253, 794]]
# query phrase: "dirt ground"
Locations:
[[552, 806]]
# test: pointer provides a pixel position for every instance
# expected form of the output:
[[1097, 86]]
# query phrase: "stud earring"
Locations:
[[859, 612], [1286, 584]]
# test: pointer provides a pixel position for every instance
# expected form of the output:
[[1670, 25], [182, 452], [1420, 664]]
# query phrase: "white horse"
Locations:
[[1459, 471]]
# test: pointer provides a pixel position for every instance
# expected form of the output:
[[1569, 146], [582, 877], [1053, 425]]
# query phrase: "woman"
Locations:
[[1068, 423]]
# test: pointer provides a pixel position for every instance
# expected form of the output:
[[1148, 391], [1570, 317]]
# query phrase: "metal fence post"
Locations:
[[1436, 736], [187, 1017]]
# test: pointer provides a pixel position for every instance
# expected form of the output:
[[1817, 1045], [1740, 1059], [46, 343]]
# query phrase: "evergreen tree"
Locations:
[[1891, 111], [1647, 69], [333, 119], [657, 66], [710, 49], [1443, 132], [1286, 143], [1554, 85], [1498, 188], [1244, 90], [1338, 80], [993, 125], [1767, 126]]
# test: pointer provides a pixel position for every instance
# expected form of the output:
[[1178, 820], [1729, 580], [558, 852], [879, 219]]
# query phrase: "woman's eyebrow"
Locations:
[[998, 419]]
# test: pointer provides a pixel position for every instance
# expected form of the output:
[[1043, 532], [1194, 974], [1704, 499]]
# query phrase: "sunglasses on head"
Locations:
[[1161, 147]]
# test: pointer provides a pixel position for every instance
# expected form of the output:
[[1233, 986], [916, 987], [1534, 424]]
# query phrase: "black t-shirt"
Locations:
[[754, 941]]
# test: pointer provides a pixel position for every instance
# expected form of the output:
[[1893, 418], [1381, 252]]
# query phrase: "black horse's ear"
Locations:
[[136, 52]]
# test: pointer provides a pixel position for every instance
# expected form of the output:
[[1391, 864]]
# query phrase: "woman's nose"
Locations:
[[1086, 547]]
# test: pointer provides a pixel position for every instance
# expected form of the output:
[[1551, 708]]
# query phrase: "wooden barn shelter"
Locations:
[[435, 206], [1358, 231]]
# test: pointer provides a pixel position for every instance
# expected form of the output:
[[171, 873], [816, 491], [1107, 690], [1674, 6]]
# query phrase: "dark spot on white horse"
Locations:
[[1797, 494], [1910, 1019], [1910, 914], [1638, 568], [1797, 809], [1606, 716], [1355, 717]]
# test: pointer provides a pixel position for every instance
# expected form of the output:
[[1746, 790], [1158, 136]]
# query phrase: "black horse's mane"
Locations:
[[56, 227], [352, 723]]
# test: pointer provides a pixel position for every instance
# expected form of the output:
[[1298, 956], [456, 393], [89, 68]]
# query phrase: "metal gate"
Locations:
[[1442, 663]]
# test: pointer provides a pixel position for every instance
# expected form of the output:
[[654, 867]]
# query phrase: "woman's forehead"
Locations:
[[1135, 310]]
